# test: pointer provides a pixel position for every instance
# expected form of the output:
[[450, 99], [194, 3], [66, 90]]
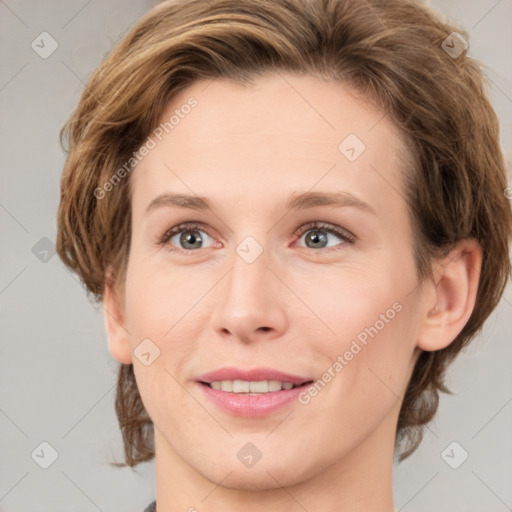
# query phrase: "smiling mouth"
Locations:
[[253, 387]]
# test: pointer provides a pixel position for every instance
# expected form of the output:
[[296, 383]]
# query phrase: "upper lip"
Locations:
[[255, 374]]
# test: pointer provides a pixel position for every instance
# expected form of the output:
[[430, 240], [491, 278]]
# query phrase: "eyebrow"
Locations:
[[295, 202]]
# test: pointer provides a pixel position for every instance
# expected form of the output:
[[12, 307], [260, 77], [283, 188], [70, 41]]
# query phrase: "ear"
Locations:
[[118, 336], [455, 286]]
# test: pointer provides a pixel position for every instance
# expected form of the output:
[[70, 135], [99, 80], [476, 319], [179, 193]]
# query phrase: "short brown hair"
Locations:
[[392, 51]]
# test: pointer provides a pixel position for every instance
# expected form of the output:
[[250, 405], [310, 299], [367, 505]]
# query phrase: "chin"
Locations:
[[246, 480], [262, 476]]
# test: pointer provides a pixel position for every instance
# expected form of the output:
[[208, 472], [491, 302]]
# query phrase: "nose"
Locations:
[[250, 301]]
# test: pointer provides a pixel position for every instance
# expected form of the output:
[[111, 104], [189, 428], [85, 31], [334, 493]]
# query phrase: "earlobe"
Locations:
[[118, 337], [456, 288]]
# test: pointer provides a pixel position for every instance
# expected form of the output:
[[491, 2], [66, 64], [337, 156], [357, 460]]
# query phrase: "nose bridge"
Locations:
[[248, 299], [248, 281]]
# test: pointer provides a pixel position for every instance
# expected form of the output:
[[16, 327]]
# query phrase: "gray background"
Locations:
[[57, 378]]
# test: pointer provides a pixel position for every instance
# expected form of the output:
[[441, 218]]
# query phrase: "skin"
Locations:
[[296, 308]]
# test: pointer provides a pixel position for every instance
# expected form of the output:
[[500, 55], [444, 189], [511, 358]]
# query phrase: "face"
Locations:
[[301, 263]]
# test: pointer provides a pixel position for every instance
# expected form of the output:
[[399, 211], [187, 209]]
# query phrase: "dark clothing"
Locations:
[[151, 507]]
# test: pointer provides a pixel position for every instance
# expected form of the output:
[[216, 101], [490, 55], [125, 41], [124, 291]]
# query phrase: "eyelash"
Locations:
[[344, 235]]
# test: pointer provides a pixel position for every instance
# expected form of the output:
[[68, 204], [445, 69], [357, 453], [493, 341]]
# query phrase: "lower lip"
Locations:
[[253, 405]]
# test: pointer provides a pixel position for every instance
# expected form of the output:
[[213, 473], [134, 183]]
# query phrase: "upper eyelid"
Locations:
[[326, 226], [320, 225]]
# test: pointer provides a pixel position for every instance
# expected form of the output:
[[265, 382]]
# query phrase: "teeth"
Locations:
[[243, 386]]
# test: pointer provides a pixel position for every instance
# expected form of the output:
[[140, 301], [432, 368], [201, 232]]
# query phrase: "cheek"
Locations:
[[165, 308], [365, 374], [158, 300], [369, 331], [358, 302]]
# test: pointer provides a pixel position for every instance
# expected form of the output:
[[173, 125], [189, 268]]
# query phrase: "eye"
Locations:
[[189, 236], [317, 235]]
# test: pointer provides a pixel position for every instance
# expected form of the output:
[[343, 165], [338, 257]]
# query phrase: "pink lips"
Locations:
[[252, 405], [252, 375]]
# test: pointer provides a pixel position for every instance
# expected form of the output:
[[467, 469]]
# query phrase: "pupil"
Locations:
[[318, 236], [190, 238]]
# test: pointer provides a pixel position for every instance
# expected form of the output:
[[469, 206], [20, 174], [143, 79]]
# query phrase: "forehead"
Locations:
[[222, 138]]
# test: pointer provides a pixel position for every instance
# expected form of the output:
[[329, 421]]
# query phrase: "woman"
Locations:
[[294, 215]]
